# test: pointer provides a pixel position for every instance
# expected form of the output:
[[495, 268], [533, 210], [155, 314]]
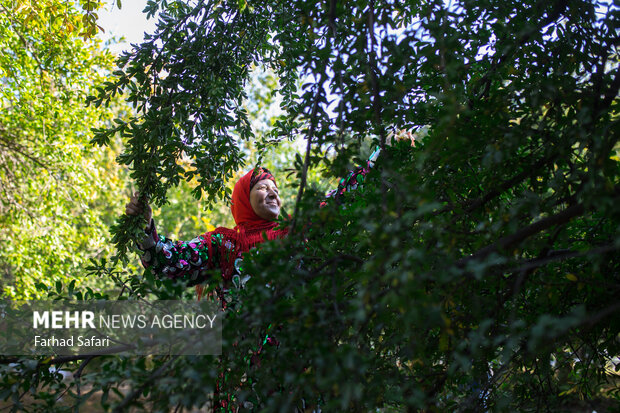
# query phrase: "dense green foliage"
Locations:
[[475, 271], [58, 193]]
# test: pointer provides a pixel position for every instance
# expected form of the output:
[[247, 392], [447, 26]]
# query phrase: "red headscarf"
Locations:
[[241, 208], [251, 229]]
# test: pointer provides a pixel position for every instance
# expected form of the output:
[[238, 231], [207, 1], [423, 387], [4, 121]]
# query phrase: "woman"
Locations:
[[255, 207]]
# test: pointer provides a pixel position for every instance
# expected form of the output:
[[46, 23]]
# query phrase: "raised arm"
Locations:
[[355, 178]]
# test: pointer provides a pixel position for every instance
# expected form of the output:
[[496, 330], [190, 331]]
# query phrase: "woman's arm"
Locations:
[[355, 178], [189, 260]]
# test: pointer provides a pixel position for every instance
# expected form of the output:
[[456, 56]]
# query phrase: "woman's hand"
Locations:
[[401, 135], [135, 207]]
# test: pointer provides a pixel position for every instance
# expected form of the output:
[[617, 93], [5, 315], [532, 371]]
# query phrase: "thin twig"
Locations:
[[513, 46], [131, 396], [376, 99], [514, 239], [310, 135], [78, 372]]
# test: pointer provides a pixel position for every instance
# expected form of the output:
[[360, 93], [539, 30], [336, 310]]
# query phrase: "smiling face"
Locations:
[[265, 199]]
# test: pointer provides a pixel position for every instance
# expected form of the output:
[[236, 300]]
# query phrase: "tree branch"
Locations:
[[506, 185], [78, 372], [513, 239], [563, 255], [372, 69], [310, 135], [512, 47], [131, 396]]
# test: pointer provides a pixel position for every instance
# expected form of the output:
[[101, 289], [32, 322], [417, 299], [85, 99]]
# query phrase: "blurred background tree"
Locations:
[[59, 195], [475, 271]]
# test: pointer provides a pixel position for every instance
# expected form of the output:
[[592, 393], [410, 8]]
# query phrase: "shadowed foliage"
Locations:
[[475, 271]]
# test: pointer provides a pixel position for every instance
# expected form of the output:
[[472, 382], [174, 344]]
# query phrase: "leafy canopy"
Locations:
[[478, 270]]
